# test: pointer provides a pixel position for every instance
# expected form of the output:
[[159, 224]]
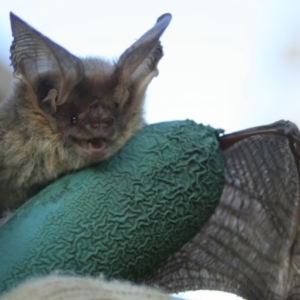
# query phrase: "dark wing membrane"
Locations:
[[294, 282], [250, 246]]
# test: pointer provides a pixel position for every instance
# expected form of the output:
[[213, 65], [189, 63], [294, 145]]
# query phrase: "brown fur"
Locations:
[[66, 113]]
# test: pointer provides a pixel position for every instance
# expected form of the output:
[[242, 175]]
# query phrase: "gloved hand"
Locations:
[[120, 218]]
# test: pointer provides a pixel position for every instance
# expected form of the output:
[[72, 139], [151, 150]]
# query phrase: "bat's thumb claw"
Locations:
[[289, 129]]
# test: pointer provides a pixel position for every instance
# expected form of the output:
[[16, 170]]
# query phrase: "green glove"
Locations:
[[122, 217]]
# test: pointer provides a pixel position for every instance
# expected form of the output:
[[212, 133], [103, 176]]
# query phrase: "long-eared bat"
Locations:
[[66, 112]]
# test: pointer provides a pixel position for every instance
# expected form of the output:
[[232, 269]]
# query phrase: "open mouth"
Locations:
[[96, 147]]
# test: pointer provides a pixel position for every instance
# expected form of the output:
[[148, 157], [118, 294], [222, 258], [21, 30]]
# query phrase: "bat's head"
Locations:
[[94, 105]]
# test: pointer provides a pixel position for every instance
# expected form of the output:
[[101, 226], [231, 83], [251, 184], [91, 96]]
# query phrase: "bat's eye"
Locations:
[[73, 119]]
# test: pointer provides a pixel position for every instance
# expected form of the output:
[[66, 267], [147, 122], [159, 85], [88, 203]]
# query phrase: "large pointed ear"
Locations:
[[46, 68], [135, 56], [137, 65]]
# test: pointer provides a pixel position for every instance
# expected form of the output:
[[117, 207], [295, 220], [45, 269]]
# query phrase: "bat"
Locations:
[[251, 244], [65, 112]]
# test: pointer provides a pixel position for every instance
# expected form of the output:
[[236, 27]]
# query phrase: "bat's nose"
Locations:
[[100, 118], [101, 123]]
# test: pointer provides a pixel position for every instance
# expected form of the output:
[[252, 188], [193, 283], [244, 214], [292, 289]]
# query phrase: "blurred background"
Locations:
[[228, 63]]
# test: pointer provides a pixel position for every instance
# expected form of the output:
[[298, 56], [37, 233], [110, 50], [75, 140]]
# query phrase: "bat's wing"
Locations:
[[250, 246]]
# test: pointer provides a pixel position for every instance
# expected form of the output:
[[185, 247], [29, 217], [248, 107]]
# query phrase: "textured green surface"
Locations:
[[122, 217]]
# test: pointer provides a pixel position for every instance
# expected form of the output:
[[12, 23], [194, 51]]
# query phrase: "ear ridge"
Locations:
[[34, 56], [137, 66], [135, 55], [140, 80], [149, 65]]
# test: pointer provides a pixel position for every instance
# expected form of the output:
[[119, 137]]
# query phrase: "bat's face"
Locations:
[[94, 105], [89, 120], [93, 118]]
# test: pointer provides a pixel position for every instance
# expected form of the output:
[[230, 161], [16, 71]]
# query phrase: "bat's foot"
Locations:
[[4, 218]]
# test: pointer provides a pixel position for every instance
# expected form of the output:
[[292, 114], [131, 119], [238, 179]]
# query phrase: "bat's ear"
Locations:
[[47, 69], [138, 64]]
